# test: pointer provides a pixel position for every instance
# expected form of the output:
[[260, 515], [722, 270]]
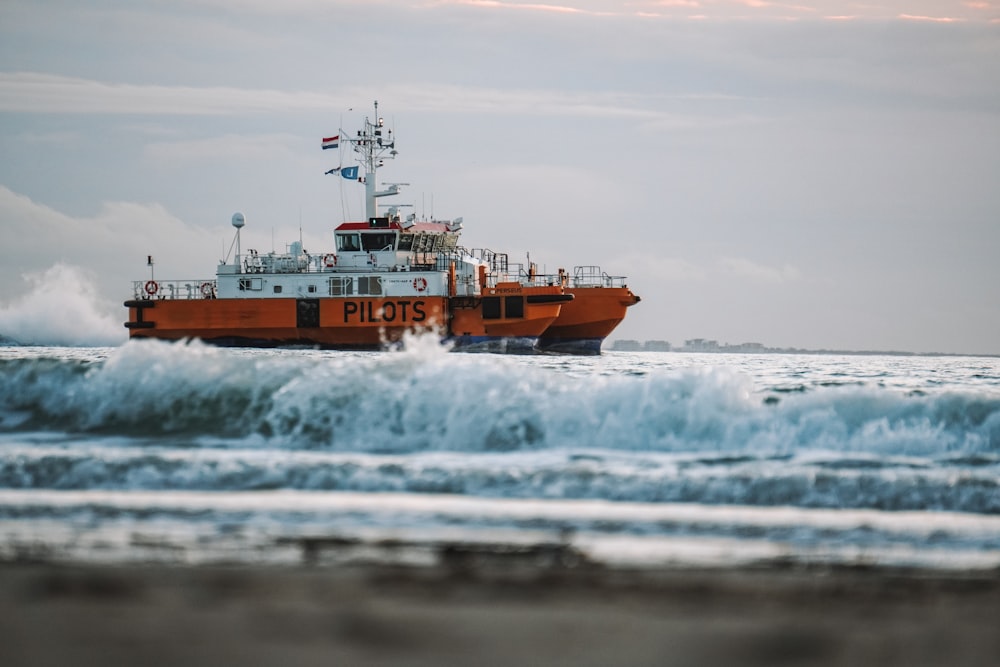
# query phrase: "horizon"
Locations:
[[613, 344]]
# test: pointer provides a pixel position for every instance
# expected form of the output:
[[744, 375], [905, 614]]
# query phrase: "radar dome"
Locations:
[[238, 220]]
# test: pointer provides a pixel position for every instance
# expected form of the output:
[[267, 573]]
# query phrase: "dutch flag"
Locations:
[[331, 142]]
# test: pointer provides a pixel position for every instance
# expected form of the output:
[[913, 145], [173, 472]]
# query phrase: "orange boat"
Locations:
[[598, 306], [388, 276]]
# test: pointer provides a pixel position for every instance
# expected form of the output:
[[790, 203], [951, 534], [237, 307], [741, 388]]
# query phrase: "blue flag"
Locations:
[[350, 173]]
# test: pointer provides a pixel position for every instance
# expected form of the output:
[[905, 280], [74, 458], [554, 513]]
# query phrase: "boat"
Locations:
[[387, 276], [599, 305]]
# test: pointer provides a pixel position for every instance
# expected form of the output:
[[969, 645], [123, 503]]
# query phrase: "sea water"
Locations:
[[158, 452]]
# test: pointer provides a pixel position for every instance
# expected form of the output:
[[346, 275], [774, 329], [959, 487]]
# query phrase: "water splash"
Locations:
[[62, 307], [422, 398]]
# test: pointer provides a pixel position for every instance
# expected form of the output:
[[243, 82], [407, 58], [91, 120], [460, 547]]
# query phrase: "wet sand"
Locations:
[[493, 614]]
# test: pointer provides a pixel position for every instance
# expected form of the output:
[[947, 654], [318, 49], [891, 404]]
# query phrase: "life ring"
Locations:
[[330, 260], [151, 287], [207, 290], [419, 284]]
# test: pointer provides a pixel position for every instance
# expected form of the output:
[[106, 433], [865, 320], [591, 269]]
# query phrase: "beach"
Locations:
[[493, 612]]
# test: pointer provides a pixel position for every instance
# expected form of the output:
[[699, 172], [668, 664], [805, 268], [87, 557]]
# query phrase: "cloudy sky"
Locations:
[[809, 173]]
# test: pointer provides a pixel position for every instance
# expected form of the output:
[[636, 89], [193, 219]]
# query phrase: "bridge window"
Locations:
[[348, 242], [374, 241]]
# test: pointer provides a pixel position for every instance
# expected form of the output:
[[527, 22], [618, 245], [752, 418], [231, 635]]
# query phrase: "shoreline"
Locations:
[[475, 611]]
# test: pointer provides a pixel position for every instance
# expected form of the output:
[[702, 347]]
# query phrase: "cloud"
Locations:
[[720, 271], [529, 6], [27, 92], [745, 269], [111, 246], [931, 19], [231, 146], [655, 270]]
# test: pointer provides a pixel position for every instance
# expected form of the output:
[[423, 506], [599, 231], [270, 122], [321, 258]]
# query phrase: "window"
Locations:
[[277, 289], [311, 289], [491, 308], [514, 306], [251, 284], [370, 285], [341, 286], [348, 242], [374, 241]]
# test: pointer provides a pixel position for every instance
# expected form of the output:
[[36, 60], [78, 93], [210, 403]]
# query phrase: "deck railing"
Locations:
[[173, 289]]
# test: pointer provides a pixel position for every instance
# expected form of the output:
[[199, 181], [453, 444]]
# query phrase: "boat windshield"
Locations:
[[348, 243], [372, 241]]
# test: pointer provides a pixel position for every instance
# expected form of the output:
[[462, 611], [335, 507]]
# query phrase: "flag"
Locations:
[[331, 142], [349, 173]]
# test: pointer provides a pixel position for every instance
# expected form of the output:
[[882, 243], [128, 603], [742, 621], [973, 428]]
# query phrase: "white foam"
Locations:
[[61, 307]]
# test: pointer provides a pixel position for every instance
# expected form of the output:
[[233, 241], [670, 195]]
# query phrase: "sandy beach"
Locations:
[[493, 614]]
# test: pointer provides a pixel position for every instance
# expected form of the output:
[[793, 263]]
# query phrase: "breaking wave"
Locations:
[[61, 307], [425, 400], [156, 416]]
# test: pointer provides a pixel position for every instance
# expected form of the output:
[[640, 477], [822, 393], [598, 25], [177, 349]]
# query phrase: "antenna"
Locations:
[[373, 144]]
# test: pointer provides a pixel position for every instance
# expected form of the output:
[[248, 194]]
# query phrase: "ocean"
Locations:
[[151, 452]]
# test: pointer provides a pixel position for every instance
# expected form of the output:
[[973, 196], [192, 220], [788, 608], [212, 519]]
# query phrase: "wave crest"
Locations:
[[424, 399], [62, 308]]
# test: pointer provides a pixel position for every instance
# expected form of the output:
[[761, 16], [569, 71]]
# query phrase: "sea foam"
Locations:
[[424, 399], [61, 307]]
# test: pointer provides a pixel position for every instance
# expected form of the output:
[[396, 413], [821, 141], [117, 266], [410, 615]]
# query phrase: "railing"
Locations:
[[593, 276], [173, 289], [583, 276]]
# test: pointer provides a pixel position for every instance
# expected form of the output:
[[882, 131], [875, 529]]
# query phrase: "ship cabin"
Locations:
[[389, 244], [365, 253]]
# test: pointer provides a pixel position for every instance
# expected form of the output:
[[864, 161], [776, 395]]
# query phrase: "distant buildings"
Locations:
[[692, 345], [627, 345], [708, 345], [703, 345]]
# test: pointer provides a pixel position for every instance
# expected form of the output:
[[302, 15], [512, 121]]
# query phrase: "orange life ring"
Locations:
[[207, 290], [151, 287], [329, 260], [419, 284]]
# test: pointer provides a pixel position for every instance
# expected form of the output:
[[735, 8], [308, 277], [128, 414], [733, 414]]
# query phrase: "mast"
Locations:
[[374, 144]]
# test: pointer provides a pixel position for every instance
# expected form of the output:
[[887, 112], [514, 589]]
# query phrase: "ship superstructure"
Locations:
[[386, 275]]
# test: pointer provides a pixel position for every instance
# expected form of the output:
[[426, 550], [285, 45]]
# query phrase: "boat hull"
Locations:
[[348, 323], [507, 319], [584, 322]]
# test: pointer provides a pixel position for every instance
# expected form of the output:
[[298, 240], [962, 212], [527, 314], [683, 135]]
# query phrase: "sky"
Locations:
[[810, 174]]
